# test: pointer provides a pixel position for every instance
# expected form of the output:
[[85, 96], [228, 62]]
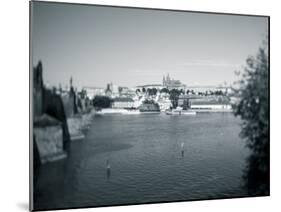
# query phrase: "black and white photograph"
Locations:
[[137, 105]]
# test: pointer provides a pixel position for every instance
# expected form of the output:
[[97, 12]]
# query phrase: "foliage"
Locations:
[[188, 92], [82, 94], [148, 101], [120, 89], [150, 104], [164, 90], [151, 91], [219, 93], [186, 104], [102, 102], [253, 109], [182, 91], [174, 97]]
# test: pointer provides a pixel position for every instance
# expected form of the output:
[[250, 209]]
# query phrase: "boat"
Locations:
[[114, 111], [189, 113], [131, 112], [109, 111], [180, 111]]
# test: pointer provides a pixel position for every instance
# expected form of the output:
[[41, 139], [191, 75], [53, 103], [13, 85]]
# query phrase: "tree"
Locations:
[[186, 104], [148, 101], [182, 91], [82, 94], [192, 92], [253, 109], [143, 90], [164, 90], [102, 102], [120, 89], [174, 97], [154, 91]]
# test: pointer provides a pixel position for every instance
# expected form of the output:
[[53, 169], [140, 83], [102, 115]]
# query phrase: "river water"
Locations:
[[147, 162]]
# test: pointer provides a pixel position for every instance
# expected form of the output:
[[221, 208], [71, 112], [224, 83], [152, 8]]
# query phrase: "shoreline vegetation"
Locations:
[[254, 110]]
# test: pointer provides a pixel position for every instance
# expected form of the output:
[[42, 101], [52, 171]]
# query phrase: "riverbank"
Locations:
[[112, 111], [212, 110]]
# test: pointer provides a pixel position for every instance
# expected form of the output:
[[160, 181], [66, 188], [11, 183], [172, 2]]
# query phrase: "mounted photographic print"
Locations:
[[138, 105]]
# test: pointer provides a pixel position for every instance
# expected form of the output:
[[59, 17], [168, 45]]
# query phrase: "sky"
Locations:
[[96, 45]]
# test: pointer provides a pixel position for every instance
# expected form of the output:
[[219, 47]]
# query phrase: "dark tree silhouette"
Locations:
[[174, 97], [164, 90], [182, 91], [253, 108], [82, 94], [102, 102], [152, 91], [120, 89], [148, 101]]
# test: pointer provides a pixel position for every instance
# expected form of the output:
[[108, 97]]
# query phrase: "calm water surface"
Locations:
[[146, 161]]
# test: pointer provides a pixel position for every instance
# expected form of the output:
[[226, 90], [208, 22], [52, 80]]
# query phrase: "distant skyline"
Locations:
[[96, 45]]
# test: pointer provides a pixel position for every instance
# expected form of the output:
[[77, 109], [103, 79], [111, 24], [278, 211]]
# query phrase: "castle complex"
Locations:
[[171, 83]]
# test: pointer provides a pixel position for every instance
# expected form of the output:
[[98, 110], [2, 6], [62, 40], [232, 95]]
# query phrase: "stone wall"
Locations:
[[49, 142], [53, 106], [45, 101]]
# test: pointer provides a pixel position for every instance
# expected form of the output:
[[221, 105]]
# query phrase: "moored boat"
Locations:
[[109, 111], [131, 112], [180, 111]]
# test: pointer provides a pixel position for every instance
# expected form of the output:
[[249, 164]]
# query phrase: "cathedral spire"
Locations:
[[168, 77]]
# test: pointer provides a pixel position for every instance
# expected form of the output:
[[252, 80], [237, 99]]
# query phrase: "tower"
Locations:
[[164, 81], [168, 78]]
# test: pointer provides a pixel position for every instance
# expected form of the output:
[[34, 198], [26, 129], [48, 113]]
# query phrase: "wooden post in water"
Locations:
[[108, 169], [182, 149]]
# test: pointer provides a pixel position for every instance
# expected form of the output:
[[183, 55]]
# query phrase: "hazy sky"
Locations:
[[96, 45]]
